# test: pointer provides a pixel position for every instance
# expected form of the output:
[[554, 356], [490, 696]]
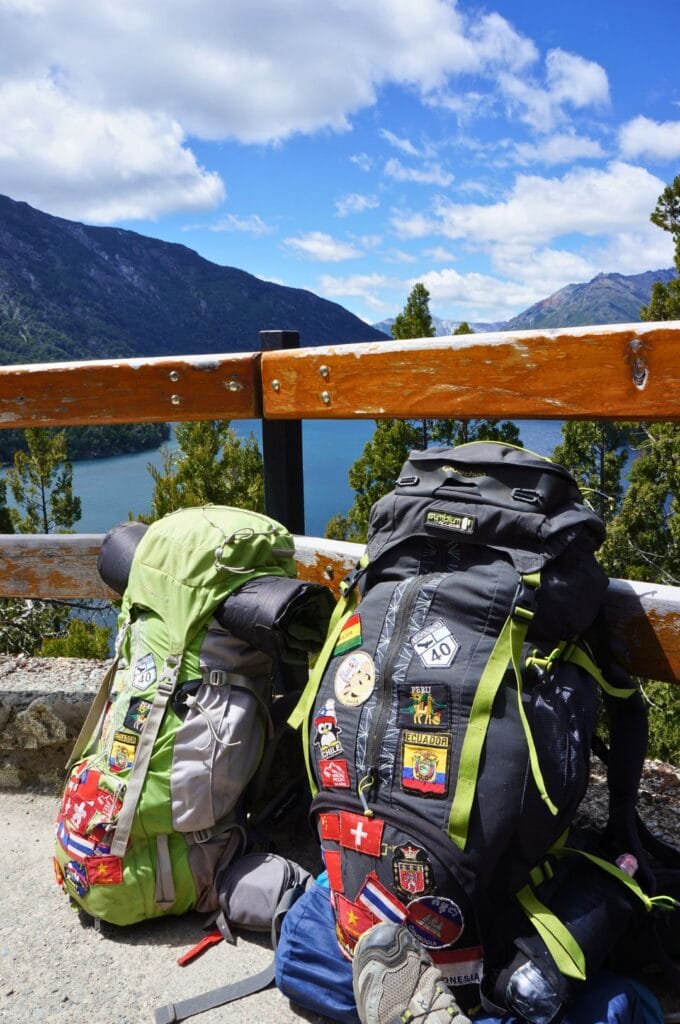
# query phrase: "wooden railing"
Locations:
[[620, 372]]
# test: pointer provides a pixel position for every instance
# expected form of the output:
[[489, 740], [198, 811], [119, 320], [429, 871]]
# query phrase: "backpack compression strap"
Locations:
[[507, 649]]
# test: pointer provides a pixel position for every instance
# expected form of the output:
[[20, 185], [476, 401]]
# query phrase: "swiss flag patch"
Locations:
[[359, 832]]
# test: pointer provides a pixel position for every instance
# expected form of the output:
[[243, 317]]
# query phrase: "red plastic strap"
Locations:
[[211, 939]]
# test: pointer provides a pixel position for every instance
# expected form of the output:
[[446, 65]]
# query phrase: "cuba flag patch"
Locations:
[[425, 762]]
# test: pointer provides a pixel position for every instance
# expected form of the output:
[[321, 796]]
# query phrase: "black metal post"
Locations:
[[282, 453]]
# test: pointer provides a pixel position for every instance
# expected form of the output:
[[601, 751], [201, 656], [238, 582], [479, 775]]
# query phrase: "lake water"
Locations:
[[111, 489]]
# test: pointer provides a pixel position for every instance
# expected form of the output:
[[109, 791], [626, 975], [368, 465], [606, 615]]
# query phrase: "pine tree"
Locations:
[[41, 481]]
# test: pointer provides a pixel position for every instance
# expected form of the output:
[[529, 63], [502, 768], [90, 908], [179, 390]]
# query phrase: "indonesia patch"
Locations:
[[425, 762], [334, 774], [460, 966], [350, 635], [358, 832], [378, 899], [435, 921]]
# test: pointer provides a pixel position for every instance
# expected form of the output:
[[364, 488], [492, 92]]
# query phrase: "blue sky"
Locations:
[[496, 153]]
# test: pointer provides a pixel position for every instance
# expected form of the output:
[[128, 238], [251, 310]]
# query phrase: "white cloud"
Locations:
[[363, 161], [403, 145], [562, 148], [250, 225], [498, 44], [79, 160], [480, 296], [357, 286], [570, 81], [590, 202], [438, 254], [318, 245], [643, 137], [355, 202], [429, 174]]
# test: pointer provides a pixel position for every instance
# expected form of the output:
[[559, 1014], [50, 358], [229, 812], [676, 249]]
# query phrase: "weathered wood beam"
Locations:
[[644, 618], [154, 390], [623, 372]]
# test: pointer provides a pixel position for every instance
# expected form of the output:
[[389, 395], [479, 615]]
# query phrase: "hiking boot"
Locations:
[[395, 981]]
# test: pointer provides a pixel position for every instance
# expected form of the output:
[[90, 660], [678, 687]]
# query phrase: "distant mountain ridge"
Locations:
[[607, 299], [69, 291]]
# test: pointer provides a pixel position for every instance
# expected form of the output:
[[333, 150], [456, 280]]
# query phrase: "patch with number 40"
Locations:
[[435, 645]]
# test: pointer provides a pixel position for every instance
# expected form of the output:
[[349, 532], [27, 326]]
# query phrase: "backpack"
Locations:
[[448, 723], [154, 811]]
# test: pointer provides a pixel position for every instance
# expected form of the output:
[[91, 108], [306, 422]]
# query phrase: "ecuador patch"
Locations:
[[425, 762]]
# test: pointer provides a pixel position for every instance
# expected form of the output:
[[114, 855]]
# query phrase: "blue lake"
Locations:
[[111, 489]]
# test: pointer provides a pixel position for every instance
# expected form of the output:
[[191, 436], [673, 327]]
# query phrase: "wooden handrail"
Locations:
[[644, 618], [628, 371], [154, 390], [625, 371]]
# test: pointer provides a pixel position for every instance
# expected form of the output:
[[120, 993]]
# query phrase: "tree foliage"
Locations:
[[415, 319], [211, 465], [41, 482]]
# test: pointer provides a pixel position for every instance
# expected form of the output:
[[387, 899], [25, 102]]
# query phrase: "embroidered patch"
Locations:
[[334, 774], [75, 845], [75, 878], [144, 673], [378, 899], [358, 832], [352, 918], [78, 815], [137, 714], [123, 750], [460, 966], [355, 679], [435, 645], [426, 705], [329, 827], [104, 870], [435, 921], [350, 635], [412, 871], [327, 731], [425, 762], [333, 861]]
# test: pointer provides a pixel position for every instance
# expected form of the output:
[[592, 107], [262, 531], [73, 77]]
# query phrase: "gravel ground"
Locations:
[[52, 969]]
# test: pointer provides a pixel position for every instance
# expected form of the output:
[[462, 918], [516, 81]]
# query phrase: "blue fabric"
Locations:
[[311, 971]]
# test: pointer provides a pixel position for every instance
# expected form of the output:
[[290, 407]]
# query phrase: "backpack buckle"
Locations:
[[216, 677]]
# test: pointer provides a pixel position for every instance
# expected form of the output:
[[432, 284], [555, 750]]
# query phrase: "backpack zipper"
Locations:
[[384, 697]]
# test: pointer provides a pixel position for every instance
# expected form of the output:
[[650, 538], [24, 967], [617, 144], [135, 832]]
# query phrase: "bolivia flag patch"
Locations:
[[350, 635]]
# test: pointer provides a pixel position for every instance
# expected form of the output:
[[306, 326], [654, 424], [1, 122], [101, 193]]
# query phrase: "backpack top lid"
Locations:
[[486, 493], [189, 561]]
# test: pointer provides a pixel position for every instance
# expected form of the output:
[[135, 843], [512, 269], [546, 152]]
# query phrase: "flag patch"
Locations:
[[377, 899], [350, 635]]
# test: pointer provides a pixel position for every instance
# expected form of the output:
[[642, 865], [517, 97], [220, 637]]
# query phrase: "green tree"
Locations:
[[211, 465], [596, 453], [415, 319], [41, 481]]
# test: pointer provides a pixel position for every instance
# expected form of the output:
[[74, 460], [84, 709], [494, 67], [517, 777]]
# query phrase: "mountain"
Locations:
[[442, 327], [70, 291], [607, 299]]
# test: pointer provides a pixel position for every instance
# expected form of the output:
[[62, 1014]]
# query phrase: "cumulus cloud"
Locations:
[[317, 245], [355, 202], [570, 81], [643, 137], [480, 296], [428, 174], [366, 287], [80, 160], [586, 201], [403, 145]]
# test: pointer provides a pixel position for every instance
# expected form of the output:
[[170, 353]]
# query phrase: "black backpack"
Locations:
[[449, 722]]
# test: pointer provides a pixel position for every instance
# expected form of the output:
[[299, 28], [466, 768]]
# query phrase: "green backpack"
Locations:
[[153, 809]]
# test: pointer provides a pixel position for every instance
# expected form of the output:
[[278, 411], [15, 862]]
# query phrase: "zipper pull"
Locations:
[[366, 783]]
